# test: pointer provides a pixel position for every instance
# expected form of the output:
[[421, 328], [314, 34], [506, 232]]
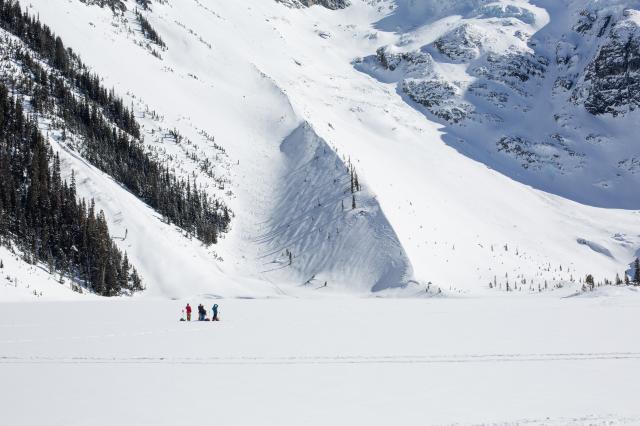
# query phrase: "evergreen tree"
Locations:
[[147, 30], [144, 4], [353, 187], [108, 128], [636, 267], [589, 280], [42, 215]]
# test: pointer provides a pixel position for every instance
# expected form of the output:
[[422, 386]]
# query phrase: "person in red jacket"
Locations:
[[188, 309]]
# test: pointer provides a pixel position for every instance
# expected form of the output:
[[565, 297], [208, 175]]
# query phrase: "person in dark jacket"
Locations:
[[214, 313], [201, 312]]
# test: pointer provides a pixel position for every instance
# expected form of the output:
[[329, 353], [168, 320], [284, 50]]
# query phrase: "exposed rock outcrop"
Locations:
[[462, 44], [423, 85], [329, 4], [612, 80]]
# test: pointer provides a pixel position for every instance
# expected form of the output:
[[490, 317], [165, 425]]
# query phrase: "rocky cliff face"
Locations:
[[496, 43], [612, 79], [329, 4]]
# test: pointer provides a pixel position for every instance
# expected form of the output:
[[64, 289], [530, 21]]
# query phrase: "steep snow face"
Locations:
[[544, 92], [339, 233], [281, 90]]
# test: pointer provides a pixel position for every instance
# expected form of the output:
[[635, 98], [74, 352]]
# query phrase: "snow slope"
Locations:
[[278, 90], [327, 233]]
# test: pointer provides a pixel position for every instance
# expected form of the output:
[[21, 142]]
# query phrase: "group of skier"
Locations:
[[202, 313]]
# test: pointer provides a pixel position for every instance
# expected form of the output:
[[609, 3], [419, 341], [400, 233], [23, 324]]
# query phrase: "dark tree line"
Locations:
[[40, 39], [354, 184], [147, 30], [41, 213], [114, 5], [109, 130]]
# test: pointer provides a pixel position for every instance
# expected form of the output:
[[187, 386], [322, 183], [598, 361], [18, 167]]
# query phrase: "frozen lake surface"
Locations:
[[335, 361]]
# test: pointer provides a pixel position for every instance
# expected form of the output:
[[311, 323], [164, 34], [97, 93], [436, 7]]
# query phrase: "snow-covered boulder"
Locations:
[[462, 44], [440, 97], [415, 63], [512, 69]]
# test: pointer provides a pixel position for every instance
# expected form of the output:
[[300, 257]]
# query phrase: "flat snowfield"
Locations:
[[338, 361]]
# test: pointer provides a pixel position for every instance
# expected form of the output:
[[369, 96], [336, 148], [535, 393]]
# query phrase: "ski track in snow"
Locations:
[[326, 360]]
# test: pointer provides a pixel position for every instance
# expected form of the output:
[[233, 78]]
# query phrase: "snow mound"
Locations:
[[598, 248]]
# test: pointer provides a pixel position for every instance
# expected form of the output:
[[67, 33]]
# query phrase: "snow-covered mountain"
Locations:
[[541, 91], [393, 147]]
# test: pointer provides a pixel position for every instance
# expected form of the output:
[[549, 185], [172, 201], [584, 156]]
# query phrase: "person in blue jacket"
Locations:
[[214, 313]]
